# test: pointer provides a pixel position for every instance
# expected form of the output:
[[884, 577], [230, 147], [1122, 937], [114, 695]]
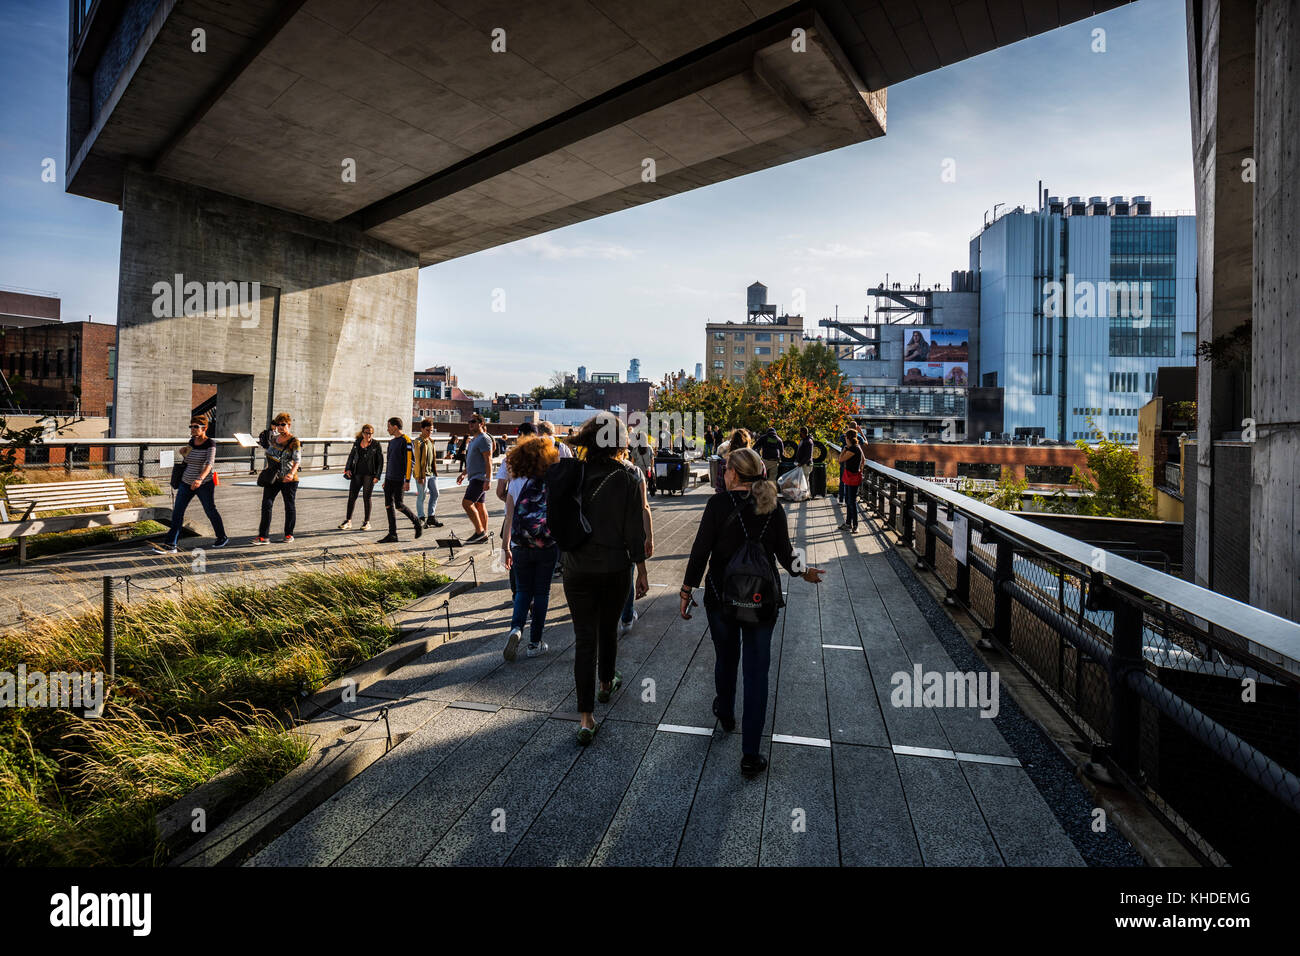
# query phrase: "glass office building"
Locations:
[[1080, 303]]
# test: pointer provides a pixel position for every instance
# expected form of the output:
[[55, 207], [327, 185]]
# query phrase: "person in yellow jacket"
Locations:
[[425, 473]]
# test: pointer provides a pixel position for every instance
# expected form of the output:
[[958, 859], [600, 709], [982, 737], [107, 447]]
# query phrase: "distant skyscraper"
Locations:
[[582, 373], [634, 370], [699, 371]]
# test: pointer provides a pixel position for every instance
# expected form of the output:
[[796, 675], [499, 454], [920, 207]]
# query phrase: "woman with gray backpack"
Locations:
[[740, 533]]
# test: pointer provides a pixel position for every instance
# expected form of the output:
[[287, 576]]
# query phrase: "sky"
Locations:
[[643, 282]]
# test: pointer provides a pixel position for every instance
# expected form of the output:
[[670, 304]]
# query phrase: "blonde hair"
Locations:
[[749, 468]]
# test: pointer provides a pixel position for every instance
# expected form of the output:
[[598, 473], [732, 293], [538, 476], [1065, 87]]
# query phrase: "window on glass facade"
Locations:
[[1142, 255]]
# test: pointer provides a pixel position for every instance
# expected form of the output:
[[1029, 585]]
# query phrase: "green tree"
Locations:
[[1116, 484], [816, 358], [1009, 494]]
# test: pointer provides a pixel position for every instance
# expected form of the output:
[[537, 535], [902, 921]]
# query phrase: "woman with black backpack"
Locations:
[[598, 567], [739, 535], [530, 549]]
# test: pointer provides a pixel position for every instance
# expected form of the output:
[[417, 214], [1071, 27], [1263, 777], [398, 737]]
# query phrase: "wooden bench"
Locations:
[[22, 508]]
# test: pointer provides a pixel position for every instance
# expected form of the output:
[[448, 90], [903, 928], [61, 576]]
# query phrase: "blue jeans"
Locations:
[[431, 484], [729, 637], [533, 569], [851, 506], [184, 495], [627, 606]]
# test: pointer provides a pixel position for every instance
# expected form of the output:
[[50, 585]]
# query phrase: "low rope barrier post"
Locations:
[[110, 635]]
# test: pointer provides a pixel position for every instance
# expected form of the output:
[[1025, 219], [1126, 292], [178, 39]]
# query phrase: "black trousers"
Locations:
[[596, 604], [363, 486], [289, 491], [393, 504]]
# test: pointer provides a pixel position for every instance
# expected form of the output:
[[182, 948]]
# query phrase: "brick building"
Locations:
[[62, 367], [437, 397]]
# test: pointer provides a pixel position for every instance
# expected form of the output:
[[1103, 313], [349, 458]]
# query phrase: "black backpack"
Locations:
[[751, 591], [564, 515]]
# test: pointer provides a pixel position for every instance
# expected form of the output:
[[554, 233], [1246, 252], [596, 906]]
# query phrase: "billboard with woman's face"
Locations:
[[936, 357]]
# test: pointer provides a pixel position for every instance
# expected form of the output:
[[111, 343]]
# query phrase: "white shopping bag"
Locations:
[[793, 485]]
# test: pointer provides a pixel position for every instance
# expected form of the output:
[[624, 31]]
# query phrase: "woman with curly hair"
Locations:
[[747, 513], [530, 549], [598, 573]]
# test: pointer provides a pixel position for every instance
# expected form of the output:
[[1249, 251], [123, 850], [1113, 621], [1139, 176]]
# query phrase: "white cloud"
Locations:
[[835, 250], [545, 247]]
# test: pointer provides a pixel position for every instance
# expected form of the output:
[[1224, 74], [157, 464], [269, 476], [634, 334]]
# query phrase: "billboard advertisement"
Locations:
[[936, 357]]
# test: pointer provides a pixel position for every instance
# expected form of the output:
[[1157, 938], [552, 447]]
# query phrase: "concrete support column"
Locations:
[[1275, 464], [1221, 52], [281, 312]]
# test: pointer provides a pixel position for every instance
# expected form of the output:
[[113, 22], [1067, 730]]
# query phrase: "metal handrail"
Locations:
[[1270, 638]]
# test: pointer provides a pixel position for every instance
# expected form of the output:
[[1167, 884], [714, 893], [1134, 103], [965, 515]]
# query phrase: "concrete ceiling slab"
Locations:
[[458, 147]]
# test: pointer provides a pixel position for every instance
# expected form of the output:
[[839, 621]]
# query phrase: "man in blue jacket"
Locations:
[[397, 479]]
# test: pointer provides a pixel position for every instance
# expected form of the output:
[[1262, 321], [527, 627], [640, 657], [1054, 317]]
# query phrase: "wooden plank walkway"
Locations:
[[492, 774]]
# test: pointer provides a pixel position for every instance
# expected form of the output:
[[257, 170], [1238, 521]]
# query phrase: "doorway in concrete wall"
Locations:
[[226, 399]]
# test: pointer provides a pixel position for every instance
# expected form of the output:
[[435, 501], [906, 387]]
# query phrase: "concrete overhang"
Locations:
[[458, 148]]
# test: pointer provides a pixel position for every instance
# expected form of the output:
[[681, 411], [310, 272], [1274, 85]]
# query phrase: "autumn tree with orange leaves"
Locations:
[[781, 394]]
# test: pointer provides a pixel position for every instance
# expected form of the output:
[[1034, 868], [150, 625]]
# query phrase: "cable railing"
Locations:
[[1189, 698], [142, 457]]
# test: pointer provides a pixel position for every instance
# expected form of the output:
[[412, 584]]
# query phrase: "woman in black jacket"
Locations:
[[748, 511], [597, 574], [364, 468]]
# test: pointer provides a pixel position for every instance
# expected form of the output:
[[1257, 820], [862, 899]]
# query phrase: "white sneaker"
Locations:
[[624, 628], [534, 650], [347, 525], [512, 644], [365, 526]]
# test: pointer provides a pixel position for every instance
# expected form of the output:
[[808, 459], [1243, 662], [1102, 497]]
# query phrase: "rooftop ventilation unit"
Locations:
[[1139, 206], [1054, 205], [1096, 206], [1075, 206], [1118, 206]]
